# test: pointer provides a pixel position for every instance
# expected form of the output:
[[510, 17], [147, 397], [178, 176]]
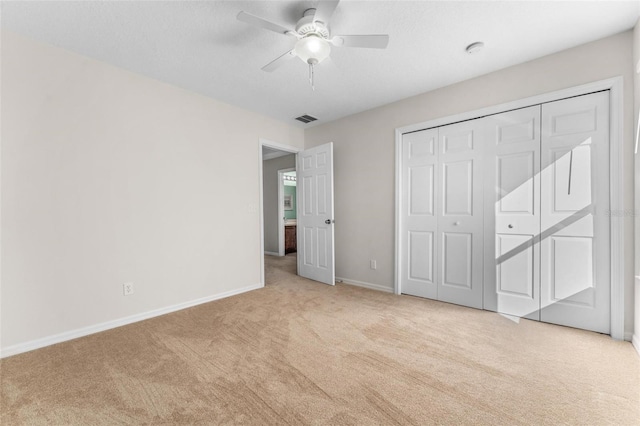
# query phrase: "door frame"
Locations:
[[281, 173], [616, 181], [282, 147]]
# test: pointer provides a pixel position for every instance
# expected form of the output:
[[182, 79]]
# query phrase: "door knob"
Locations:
[[510, 226], [328, 221], [456, 223]]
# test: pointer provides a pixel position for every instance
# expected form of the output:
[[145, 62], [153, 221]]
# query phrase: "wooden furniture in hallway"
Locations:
[[290, 239]]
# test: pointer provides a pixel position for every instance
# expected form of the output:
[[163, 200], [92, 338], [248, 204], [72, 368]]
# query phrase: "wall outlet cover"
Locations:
[[127, 289]]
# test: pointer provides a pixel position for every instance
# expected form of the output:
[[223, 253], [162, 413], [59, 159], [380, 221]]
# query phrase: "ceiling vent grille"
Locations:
[[306, 118]]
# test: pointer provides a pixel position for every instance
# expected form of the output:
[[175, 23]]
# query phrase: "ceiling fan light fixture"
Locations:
[[313, 37], [312, 49]]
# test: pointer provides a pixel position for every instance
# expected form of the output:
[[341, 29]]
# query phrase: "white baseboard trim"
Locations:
[[85, 331], [635, 340], [370, 286], [272, 253]]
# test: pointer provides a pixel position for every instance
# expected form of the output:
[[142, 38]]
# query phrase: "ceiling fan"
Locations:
[[313, 36]]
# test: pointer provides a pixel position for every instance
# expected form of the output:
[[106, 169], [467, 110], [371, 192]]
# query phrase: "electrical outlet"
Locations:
[[127, 289], [373, 264]]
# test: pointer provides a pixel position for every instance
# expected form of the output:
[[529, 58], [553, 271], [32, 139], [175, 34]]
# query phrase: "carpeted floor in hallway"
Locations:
[[300, 352]]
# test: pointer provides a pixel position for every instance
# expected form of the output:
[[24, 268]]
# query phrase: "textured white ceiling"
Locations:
[[201, 46]]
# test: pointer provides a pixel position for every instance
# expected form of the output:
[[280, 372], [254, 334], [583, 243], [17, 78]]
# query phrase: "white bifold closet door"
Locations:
[[544, 232], [550, 258], [418, 210], [512, 209], [441, 224], [459, 213], [575, 222]]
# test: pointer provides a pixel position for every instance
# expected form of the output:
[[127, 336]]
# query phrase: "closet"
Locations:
[[509, 212], [442, 226]]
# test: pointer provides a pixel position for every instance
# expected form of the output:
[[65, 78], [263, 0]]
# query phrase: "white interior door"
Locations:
[[418, 211], [315, 214], [575, 242], [459, 213], [512, 209]]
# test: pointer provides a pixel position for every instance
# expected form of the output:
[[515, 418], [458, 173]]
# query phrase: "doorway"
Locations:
[[314, 215], [274, 157], [287, 212]]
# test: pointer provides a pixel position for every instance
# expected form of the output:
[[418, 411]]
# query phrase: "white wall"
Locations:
[[636, 62], [364, 149], [107, 177], [270, 198]]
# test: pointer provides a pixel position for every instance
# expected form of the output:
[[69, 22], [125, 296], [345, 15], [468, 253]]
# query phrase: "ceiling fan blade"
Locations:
[[377, 41], [276, 63], [324, 10], [262, 23]]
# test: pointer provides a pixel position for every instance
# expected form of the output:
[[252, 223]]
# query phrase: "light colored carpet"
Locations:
[[298, 352]]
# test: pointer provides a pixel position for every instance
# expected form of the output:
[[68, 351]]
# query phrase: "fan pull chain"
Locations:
[[311, 77]]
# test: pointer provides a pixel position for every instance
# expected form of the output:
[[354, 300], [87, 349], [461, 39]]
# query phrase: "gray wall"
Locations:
[[365, 158], [270, 198]]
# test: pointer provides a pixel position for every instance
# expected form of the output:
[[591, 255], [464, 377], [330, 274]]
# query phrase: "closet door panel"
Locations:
[[515, 275], [512, 213], [421, 256], [575, 261], [571, 270], [515, 178], [459, 219], [418, 212], [457, 254], [421, 190], [458, 188]]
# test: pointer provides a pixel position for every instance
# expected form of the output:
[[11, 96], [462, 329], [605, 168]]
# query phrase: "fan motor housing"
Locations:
[[306, 25]]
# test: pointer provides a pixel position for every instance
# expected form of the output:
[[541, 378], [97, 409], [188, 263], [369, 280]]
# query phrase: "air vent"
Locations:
[[306, 118]]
